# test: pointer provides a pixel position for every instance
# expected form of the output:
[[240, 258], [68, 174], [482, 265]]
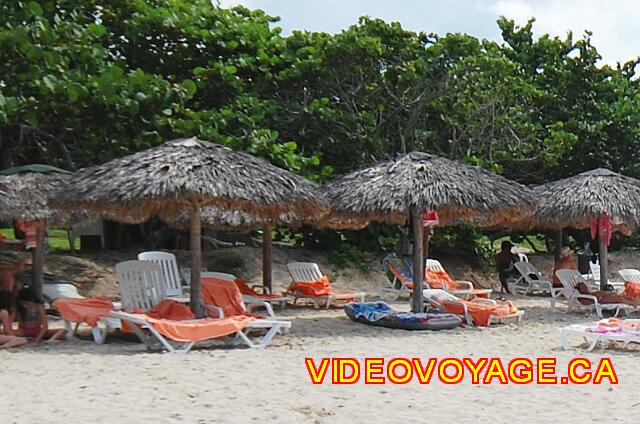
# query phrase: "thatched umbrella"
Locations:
[[234, 220], [401, 190], [577, 201], [24, 194], [190, 174]]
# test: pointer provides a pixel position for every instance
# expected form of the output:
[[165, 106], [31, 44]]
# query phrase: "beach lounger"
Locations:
[[437, 278], [143, 289], [225, 294], [570, 296], [477, 311], [594, 279], [76, 310], [402, 282], [310, 283], [630, 275], [607, 330], [530, 280], [250, 294], [168, 264]]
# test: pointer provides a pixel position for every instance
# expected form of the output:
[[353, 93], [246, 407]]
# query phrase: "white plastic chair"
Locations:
[[594, 278], [530, 280], [309, 272], [463, 288], [169, 266], [570, 296], [629, 274]]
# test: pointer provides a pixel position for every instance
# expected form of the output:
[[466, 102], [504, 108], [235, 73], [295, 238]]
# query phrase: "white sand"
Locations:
[[79, 381]]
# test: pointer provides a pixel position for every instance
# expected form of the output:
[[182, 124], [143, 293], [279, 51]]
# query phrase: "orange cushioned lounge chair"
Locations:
[[309, 283], [90, 311], [143, 288], [478, 311], [438, 278]]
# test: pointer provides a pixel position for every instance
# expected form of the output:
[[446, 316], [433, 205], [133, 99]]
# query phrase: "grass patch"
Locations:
[[58, 241]]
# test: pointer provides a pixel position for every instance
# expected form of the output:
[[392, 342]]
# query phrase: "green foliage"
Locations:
[[83, 82], [350, 254]]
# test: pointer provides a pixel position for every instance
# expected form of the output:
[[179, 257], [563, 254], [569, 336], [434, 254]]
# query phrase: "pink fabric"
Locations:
[[605, 228]]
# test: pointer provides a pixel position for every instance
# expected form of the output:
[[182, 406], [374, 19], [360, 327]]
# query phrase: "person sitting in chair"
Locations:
[[504, 264], [564, 261]]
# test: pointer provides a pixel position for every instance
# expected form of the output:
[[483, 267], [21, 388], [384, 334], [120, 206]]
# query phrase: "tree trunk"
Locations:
[[196, 264], [558, 245], [266, 258], [38, 260], [418, 259], [604, 259]]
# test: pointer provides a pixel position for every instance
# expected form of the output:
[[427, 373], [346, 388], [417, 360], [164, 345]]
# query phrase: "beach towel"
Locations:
[[439, 280], [197, 329], [372, 311], [320, 287], [632, 291], [616, 325], [171, 309], [88, 311], [480, 312], [244, 288], [223, 294]]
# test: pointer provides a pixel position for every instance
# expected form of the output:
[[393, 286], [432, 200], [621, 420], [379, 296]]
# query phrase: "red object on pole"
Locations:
[[430, 219]]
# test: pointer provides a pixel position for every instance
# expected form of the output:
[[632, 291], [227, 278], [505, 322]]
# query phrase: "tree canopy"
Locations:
[[83, 82]]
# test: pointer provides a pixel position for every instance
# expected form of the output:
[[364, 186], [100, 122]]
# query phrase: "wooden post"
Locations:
[[418, 259], [558, 245], [266, 258], [196, 263], [38, 260], [604, 259]]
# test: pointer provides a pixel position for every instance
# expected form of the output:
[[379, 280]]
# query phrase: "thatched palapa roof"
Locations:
[[572, 202], [219, 219], [187, 172], [25, 191], [459, 193]]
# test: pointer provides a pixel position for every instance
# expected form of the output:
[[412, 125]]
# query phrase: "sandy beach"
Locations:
[[78, 381]]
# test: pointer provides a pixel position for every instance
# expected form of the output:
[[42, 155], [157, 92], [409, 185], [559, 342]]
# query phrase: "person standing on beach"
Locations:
[[504, 264]]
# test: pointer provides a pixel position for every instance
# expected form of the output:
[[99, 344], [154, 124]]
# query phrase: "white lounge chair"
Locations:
[[595, 337], [570, 296], [142, 287], [308, 272], [530, 280], [630, 274], [438, 298], [461, 288], [55, 291], [248, 299], [594, 279], [169, 266]]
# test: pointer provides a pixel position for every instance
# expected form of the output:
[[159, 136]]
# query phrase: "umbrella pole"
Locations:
[[266, 258], [558, 243], [38, 261], [418, 260], [196, 263], [604, 262]]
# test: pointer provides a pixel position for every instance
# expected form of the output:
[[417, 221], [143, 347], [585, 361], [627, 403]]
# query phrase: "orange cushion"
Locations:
[[88, 310]]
